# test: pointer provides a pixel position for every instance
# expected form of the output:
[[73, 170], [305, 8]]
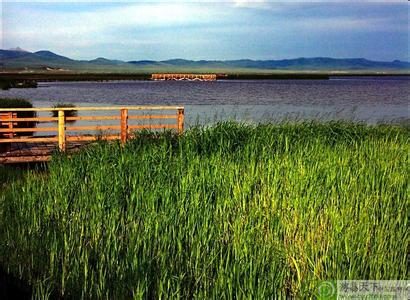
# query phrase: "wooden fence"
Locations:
[[11, 132]]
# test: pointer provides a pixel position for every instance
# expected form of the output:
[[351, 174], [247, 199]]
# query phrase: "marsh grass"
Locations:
[[68, 113], [227, 211]]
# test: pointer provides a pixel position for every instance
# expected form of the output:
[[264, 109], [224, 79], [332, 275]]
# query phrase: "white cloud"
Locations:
[[103, 30], [85, 28], [347, 24], [250, 3]]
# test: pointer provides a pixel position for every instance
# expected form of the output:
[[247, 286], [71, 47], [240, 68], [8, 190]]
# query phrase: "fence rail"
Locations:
[[12, 132]]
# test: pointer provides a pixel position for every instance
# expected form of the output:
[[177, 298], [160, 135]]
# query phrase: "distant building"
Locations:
[[190, 77]]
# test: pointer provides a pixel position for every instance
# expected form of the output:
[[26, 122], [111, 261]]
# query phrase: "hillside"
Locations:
[[47, 60]]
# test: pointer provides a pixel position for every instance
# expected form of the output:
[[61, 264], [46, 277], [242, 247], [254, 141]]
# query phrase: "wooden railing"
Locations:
[[183, 76], [9, 123]]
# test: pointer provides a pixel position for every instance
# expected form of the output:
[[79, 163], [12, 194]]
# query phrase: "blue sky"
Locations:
[[161, 30]]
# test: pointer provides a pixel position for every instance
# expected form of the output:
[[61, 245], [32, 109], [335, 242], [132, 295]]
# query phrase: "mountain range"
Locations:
[[18, 58]]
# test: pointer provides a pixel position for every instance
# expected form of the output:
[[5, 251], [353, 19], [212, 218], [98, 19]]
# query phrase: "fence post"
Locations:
[[61, 130], [124, 126], [180, 120], [10, 123], [11, 134]]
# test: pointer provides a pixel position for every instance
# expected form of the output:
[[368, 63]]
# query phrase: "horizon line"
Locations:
[[18, 49]]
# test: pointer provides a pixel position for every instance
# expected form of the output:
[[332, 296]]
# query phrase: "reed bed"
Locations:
[[228, 211]]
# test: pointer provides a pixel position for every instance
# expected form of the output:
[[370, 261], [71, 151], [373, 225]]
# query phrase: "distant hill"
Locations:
[[20, 59], [50, 55]]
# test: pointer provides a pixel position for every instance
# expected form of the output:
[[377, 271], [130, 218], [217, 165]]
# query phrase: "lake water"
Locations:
[[367, 99]]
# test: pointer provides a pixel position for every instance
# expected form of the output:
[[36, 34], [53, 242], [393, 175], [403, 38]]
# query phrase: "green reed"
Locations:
[[228, 211]]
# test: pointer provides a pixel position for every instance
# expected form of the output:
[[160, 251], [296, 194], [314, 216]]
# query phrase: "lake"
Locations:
[[367, 99]]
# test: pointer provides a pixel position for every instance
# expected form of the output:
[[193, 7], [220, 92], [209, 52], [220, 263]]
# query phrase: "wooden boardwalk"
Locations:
[[35, 152], [19, 145], [183, 76]]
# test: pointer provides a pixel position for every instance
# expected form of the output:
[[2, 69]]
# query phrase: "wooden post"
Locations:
[[11, 134], [10, 123], [61, 130], [124, 126], [180, 120]]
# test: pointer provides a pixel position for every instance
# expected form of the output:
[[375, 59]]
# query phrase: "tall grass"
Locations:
[[227, 211], [67, 113]]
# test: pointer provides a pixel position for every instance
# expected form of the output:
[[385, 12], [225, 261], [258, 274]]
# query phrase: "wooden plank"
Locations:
[[94, 127], [24, 159], [153, 117], [37, 129], [76, 138], [88, 118], [93, 108], [29, 140], [153, 126], [39, 119], [37, 153], [93, 118]]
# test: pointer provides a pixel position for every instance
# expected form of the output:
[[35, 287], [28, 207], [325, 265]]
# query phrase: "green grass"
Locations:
[[15, 103], [226, 211], [67, 113]]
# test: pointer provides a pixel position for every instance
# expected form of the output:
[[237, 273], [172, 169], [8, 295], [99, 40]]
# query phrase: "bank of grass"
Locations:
[[230, 211]]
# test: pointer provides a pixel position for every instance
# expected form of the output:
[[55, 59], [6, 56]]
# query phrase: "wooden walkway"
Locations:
[[35, 152], [183, 76], [19, 145]]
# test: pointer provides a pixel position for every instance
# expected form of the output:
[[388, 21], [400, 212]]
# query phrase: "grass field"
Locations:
[[227, 211]]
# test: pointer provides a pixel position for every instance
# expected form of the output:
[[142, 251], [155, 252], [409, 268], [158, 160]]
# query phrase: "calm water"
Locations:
[[370, 100]]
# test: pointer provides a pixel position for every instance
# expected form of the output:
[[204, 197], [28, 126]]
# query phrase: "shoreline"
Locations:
[[76, 76]]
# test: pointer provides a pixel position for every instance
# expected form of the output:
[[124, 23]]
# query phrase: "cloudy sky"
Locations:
[[209, 30]]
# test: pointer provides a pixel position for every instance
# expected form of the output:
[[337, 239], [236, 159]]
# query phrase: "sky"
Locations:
[[237, 29]]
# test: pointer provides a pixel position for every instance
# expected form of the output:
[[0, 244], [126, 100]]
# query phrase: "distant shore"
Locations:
[[7, 78]]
